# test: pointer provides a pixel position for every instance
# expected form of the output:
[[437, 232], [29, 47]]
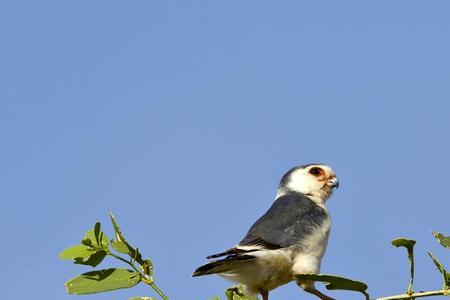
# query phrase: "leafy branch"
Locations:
[[339, 283], [95, 246]]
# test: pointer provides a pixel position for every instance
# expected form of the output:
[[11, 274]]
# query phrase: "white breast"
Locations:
[[312, 249]]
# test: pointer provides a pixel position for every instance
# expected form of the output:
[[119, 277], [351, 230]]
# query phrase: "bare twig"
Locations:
[[416, 295]]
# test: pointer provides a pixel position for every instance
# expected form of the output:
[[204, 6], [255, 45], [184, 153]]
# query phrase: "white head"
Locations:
[[314, 180]]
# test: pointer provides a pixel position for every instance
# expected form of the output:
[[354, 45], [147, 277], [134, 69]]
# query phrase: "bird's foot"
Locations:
[[318, 294], [265, 295]]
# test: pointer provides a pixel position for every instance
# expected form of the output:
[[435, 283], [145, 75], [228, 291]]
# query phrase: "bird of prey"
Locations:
[[289, 239]]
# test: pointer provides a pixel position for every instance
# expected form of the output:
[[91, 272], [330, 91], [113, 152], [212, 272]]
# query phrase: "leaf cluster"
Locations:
[[237, 293], [93, 248], [445, 242]]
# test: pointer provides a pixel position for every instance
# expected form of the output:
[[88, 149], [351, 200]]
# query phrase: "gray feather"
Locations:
[[291, 218], [223, 265]]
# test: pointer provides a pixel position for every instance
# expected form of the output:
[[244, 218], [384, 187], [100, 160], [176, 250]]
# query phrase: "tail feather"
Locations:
[[221, 266], [233, 251], [209, 268], [219, 254]]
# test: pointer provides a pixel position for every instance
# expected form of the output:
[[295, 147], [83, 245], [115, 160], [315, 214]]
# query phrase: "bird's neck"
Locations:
[[320, 197]]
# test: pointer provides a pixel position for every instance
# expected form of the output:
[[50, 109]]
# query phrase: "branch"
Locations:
[[416, 295]]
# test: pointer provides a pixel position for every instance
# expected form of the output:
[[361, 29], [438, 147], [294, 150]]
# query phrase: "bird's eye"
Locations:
[[316, 171]]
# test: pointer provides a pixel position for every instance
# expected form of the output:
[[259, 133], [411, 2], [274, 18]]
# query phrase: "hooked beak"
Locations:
[[333, 183]]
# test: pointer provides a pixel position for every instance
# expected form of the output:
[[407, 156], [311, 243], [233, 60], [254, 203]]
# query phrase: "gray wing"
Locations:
[[291, 218]]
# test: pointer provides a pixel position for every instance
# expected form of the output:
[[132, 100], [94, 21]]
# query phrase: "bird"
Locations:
[[289, 239]]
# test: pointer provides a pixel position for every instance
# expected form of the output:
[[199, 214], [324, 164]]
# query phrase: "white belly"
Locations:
[[271, 269]]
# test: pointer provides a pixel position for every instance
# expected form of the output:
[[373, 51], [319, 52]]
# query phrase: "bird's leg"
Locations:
[[265, 295], [312, 290]]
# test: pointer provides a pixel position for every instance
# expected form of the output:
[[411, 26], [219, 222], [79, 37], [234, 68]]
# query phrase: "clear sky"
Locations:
[[181, 117]]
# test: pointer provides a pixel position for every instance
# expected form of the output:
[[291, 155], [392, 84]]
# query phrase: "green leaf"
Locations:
[[118, 233], [334, 282], [102, 281], [102, 239], [445, 275], [442, 239], [95, 238], [83, 255], [403, 242], [89, 239], [409, 245], [86, 242], [437, 263], [120, 247], [75, 251], [93, 260], [237, 293], [215, 298], [143, 298], [121, 242]]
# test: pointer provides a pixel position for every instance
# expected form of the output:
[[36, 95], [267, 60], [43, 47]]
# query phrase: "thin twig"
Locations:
[[152, 284], [145, 279], [416, 295], [411, 270], [128, 263]]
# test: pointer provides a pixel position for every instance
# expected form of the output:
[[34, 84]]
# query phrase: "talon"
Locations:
[[317, 293]]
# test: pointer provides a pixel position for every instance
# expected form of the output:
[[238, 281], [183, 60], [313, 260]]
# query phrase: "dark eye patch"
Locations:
[[316, 171]]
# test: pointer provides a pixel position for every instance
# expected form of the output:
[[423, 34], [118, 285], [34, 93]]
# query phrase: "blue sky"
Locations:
[[181, 117]]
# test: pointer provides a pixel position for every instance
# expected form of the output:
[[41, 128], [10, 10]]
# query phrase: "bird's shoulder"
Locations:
[[290, 218], [291, 208]]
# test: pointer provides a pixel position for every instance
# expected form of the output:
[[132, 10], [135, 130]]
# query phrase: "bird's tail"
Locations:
[[225, 265]]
